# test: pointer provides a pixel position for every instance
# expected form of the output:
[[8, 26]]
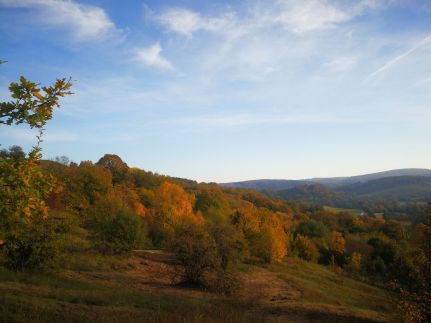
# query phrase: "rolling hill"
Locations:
[[398, 188], [282, 184], [402, 185]]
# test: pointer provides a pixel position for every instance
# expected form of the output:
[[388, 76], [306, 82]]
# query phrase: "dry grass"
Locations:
[[142, 287]]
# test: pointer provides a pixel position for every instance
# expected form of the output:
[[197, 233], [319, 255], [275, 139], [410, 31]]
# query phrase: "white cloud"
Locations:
[[151, 56], [86, 22], [187, 22], [297, 16], [300, 17], [181, 21]]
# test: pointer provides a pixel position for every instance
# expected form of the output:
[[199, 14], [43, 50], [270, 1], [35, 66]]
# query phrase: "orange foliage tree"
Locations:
[[172, 206], [264, 231], [338, 244]]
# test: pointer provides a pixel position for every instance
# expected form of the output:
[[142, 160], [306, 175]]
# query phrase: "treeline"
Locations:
[[318, 194]]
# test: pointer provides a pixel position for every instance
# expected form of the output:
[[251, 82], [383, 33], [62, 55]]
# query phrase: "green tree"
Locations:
[[119, 232], [312, 229], [213, 204]]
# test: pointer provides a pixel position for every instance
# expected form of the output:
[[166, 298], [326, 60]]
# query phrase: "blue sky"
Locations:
[[229, 90]]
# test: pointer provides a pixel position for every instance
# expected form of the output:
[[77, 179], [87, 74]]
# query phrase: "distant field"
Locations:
[[139, 288], [337, 209]]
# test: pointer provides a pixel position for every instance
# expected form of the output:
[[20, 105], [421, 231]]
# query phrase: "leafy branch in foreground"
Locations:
[[24, 188], [33, 104]]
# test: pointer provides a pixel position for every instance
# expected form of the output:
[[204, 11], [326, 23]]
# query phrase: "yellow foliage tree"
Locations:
[[264, 230], [355, 261], [338, 244], [306, 248], [172, 207], [27, 236]]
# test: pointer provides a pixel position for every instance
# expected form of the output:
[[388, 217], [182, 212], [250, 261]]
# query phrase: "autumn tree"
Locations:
[[272, 239], [354, 262], [413, 279], [305, 248], [196, 250], [338, 244], [118, 168], [24, 188], [205, 256], [172, 206], [263, 231], [211, 201]]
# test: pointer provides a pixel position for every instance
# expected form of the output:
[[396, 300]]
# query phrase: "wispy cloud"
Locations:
[[425, 41], [151, 56], [297, 17], [187, 22], [304, 16], [86, 22], [300, 17]]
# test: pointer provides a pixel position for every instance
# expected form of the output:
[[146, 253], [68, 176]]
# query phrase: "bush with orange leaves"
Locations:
[[172, 207]]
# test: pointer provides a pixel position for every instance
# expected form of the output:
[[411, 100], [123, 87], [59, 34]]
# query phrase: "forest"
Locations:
[[58, 216]]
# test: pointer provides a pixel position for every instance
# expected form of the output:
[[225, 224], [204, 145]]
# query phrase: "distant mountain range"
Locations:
[[408, 184]]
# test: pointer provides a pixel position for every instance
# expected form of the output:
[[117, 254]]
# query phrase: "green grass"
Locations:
[[97, 288], [50, 297], [337, 210], [319, 284]]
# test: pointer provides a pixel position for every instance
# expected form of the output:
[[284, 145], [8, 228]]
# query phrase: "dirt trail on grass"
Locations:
[[158, 272], [146, 270]]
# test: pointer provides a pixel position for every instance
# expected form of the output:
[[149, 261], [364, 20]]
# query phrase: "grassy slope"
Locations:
[[138, 288], [339, 209]]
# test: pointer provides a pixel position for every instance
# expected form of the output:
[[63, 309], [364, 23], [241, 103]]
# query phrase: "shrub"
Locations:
[[31, 245], [196, 251], [118, 233], [203, 259]]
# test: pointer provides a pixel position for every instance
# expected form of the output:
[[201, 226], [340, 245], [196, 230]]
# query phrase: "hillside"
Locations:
[[142, 287], [403, 188], [280, 184], [268, 184], [342, 181], [119, 243], [403, 185], [311, 193], [399, 188]]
